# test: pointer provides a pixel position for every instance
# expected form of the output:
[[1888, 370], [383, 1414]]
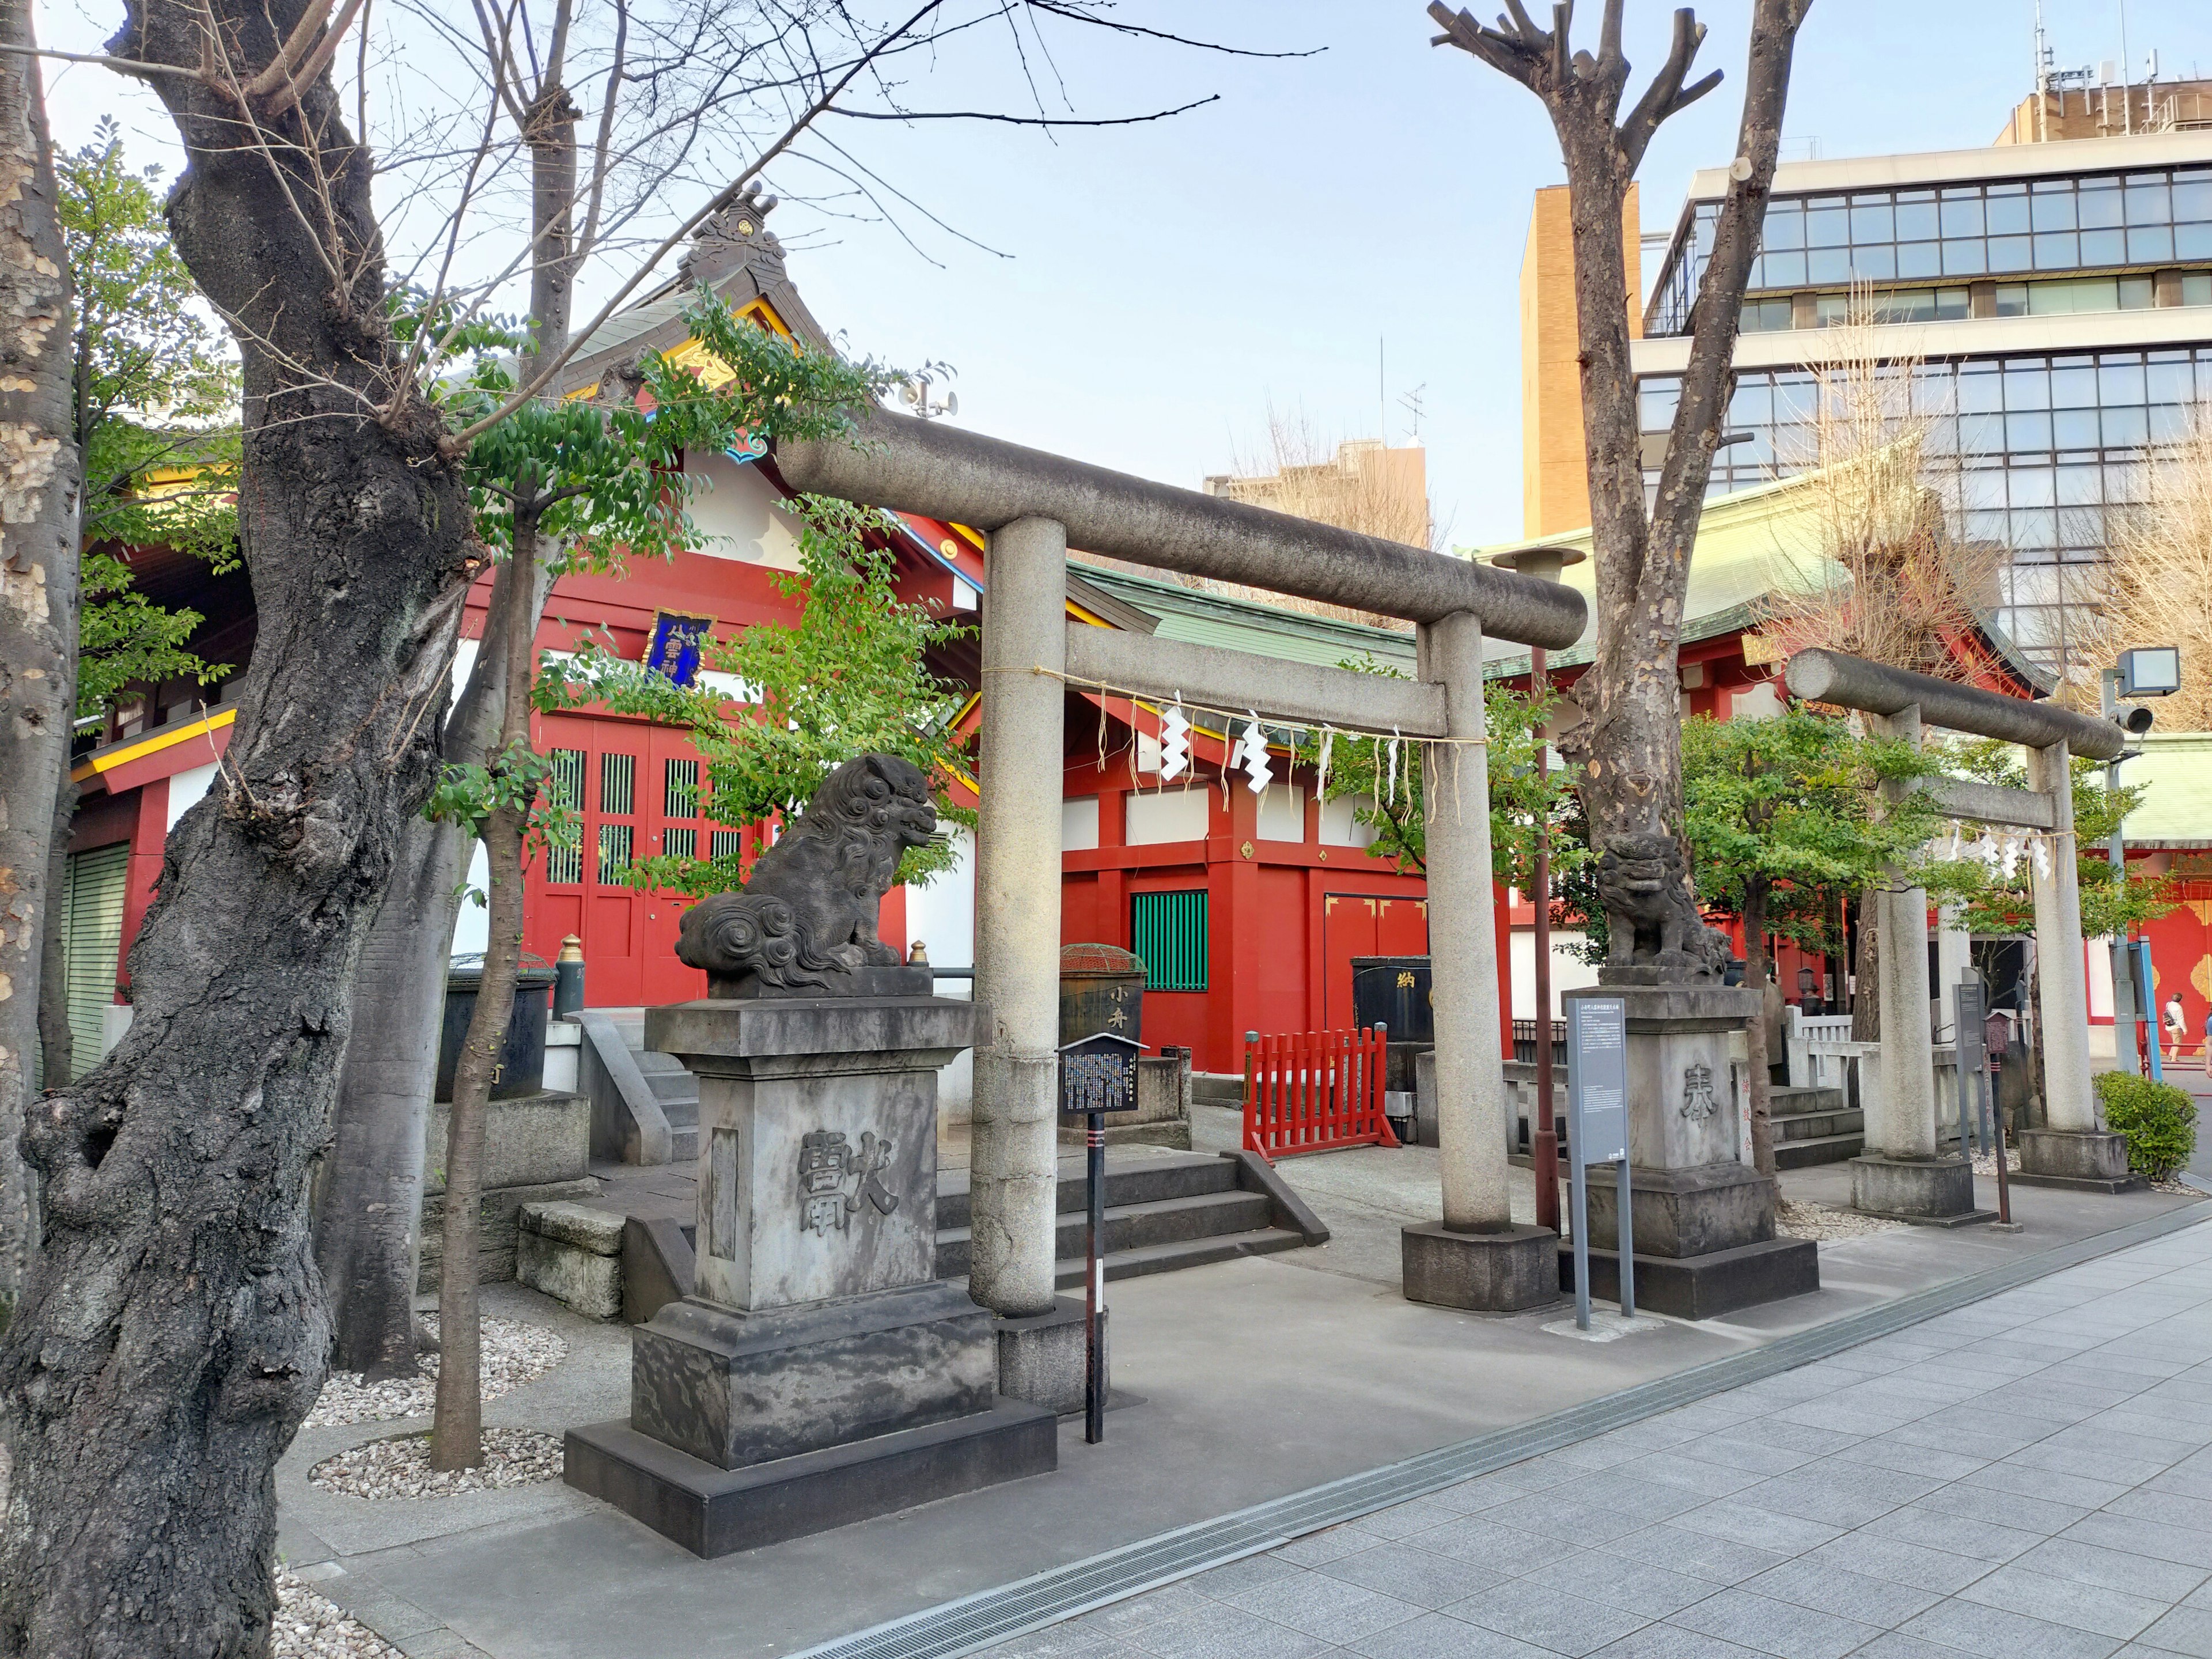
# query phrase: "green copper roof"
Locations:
[[1239, 624]]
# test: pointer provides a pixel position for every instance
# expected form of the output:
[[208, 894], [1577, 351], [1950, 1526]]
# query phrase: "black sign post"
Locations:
[[1996, 1038], [1597, 1133], [1973, 1068], [1097, 1075]]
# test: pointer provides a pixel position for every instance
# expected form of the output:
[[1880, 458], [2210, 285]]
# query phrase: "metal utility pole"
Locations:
[[1546, 563]]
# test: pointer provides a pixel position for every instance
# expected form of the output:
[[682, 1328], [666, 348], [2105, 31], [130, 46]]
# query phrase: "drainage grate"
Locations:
[[992, 1616]]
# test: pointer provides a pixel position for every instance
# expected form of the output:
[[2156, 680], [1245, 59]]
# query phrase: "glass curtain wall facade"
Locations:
[[2035, 448]]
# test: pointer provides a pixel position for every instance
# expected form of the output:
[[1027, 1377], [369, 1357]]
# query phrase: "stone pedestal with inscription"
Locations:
[[1704, 1218], [819, 1372]]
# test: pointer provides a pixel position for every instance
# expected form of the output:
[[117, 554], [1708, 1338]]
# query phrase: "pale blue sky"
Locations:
[[1162, 284]]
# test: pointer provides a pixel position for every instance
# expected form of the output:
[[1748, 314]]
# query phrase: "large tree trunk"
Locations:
[[57, 1042], [1755, 971], [172, 1333], [367, 1229], [38, 491]]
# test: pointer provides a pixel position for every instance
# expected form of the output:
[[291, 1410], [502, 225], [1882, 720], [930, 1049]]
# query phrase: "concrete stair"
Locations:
[[1813, 1126], [1169, 1212], [678, 1092]]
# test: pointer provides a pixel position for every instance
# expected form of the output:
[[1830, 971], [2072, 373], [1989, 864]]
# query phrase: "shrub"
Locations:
[[2159, 1119]]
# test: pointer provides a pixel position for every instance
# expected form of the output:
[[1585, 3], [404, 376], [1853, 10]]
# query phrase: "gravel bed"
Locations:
[[307, 1626], [1795, 1219], [514, 1353], [400, 1467]]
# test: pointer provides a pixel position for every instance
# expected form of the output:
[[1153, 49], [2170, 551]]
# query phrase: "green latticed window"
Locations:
[[1168, 930]]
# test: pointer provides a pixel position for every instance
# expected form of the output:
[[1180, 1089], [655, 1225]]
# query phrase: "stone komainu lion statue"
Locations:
[[806, 920], [1650, 919]]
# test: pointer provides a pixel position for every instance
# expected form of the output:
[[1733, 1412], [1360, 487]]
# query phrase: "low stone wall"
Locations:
[[537, 1150], [574, 1254], [1162, 1117]]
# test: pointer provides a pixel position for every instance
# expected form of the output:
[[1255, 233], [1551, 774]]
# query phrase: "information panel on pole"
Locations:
[[1597, 1133], [1973, 1068]]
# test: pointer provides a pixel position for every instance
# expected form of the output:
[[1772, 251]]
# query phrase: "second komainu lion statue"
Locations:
[[1652, 924], [805, 922]]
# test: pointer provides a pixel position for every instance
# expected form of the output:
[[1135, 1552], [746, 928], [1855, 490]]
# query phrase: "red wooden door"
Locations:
[[1364, 924]]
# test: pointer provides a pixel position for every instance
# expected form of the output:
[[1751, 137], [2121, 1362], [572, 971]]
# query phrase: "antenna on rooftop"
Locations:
[[1412, 403]]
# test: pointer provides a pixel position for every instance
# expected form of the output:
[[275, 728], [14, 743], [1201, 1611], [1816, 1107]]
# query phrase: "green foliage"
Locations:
[[1790, 809], [603, 483], [1389, 776], [847, 678], [2159, 1119], [2112, 902], [155, 411], [468, 793]]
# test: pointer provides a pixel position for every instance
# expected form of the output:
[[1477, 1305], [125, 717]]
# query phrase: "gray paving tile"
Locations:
[[1694, 1474], [1326, 1545], [2184, 1630], [1996, 1634], [1900, 1457], [1634, 1586], [2078, 1459], [2007, 1509], [1754, 1457], [1547, 1618], [1764, 1529], [1794, 1437], [1217, 1630], [1673, 1642], [2190, 1480], [1500, 1549], [1122, 1618], [1680, 1549], [1549, 1516], [2020, 1589], [1413, 1575], [1830, 1589], [1782, 1628], [1896, 1644], [2132, 1536], [2051, 1484], [1967, 1535], [1068, 1641], [1916, 1565], [1627, 1492], [2174, 1508], [1403, 1520], [1331, 1609], [1840, 1495], [2091, 1564], [1433, 1635], [1225, 1583]]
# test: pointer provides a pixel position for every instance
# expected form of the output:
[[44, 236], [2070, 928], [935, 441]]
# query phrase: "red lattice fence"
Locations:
[[1315, 1091]]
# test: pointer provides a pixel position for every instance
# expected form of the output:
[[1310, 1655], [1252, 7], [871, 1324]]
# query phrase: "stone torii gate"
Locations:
[[1034, 506], [1901, 1174]]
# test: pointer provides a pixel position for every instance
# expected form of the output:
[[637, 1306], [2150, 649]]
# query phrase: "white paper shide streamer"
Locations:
[[1252, 755], [1174, 741]]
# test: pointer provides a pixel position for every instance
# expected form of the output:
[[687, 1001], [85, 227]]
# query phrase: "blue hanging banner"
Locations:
[[673, 651]]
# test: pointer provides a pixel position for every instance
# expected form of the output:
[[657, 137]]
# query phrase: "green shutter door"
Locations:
[[1168, 932], [92, 941]]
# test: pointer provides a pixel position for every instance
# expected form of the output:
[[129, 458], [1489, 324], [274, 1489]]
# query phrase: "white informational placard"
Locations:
[[1597, 1133]]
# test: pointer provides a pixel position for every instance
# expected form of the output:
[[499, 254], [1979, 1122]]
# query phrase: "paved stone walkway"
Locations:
[[2028, 1477]]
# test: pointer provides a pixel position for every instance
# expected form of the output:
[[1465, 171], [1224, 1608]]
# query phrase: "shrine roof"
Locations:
[[1203, 617]]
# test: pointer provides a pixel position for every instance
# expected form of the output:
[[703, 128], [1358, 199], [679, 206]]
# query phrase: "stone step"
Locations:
[[1827, 1149], [1817, 1126], [1141, 1183], [683, 1140], [1132, 1226], [1789, 1101], [1188, 1252]]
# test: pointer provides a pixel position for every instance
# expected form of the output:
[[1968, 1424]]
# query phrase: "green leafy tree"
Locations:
[[1387, 773], [849, 677], [580, 484], [2112, 901], [1783, 814]]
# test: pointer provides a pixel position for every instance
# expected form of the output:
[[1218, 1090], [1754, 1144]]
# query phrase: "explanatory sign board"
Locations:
[[1597, 1133]]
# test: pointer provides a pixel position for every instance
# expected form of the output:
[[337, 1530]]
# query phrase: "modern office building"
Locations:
[[2051, 297], [2051, 301]]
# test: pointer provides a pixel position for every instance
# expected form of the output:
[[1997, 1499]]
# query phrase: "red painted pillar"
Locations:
[[148, 835]]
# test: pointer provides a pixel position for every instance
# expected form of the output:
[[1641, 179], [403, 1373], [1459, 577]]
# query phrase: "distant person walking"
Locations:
[[2177, 1025]]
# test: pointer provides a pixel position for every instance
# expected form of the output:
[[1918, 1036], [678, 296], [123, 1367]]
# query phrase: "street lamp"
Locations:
[[2146, 671], [1545, 563]]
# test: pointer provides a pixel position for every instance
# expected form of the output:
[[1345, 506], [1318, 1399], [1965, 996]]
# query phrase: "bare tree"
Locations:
[[1630, 748], [38, 585], [2159, 580]]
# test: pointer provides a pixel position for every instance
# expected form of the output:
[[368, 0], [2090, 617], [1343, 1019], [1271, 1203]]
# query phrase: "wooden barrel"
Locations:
[[1102, 988]]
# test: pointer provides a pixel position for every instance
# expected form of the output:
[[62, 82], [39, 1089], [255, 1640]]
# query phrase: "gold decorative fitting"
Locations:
[[1248, 849], [572, 949]]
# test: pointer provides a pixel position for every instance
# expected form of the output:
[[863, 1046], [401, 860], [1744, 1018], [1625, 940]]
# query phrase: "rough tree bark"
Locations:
[[366, 1243], [57, 1043], [366, 1233], [1630, 748], [1756, 968], [172, 1332], [38, 502]]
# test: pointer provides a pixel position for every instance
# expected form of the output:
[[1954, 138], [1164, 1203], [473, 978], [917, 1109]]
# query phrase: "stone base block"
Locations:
[[499, 1211], [1174, 1136], [1041, 1357], [1930, 1190], [714, 1512], [1493, 1272], [2076, 1160], [1684, 1212], [1703, 1287], [583, 1282], [734, 1390]]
